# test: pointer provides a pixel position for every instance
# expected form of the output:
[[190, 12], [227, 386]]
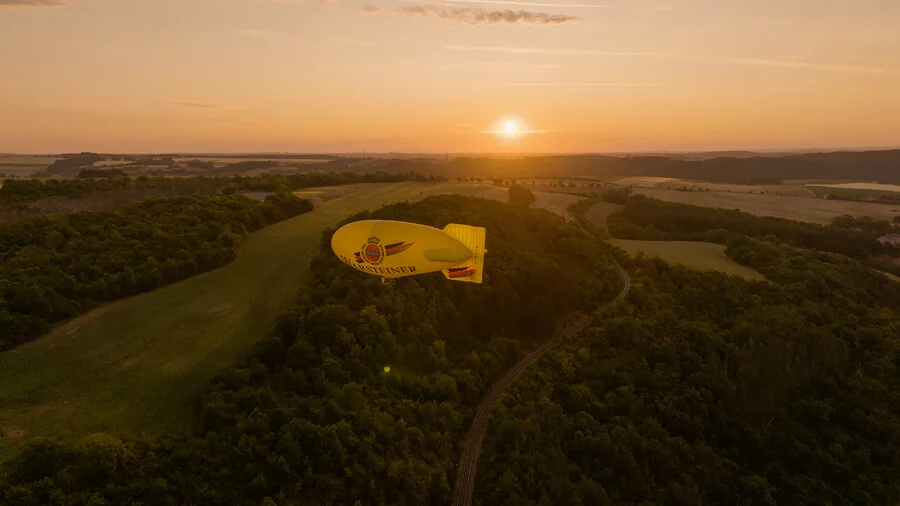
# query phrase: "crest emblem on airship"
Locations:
[[372, 252]]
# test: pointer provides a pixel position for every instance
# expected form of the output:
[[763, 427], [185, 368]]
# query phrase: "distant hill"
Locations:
[[727, 167], [881, 166], [70, 164]]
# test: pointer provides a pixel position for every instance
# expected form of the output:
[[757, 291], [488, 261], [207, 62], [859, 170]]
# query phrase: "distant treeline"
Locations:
[[29, 190], [70, 163], [858, 195], [59, 266], [882, 166], [100, 173], [747, 168]]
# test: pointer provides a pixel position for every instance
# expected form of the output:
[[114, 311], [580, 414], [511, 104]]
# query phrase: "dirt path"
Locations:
[[468, 462]]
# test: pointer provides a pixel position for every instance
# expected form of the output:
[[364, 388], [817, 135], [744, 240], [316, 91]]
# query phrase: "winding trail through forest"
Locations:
[[468, 461]]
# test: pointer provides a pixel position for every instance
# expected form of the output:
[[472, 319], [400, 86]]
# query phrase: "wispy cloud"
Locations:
[[32, 3], [353, 42], [518, 132], [230, 122], [263, 34], [590, 84], [531, 4], [500, 66], [746, 62], [473, 16], [535, 50], [194, 105], [826, 67]]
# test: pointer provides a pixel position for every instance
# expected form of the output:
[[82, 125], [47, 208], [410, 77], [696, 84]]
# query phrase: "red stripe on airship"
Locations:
[[393, 249], [460, 272]]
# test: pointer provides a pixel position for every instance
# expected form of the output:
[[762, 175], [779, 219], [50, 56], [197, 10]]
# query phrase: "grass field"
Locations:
[[696, 255], [862, 186], [553, 202], [139, 365], [600, 212], [644, 181], [24, 166], [818, 181], [668, 183], [227, 161], [110, 163], [795, 208], [885, 196]]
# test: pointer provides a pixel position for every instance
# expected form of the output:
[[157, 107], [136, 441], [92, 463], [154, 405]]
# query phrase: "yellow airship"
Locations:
[[395, 249]]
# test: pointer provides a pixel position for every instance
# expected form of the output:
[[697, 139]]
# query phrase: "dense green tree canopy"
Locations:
[[55, 267], [16, 191], [705, 389], [86, 173], [697, 388], [311, 418], [520, 196]]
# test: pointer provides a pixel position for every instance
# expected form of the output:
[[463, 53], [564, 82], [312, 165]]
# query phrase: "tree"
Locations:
[[55, 267], [616, 195], [520, 196]]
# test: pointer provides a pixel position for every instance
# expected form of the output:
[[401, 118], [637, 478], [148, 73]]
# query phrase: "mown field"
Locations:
[[554, 202], [668, 183], [599, 212], [228, 160], [815, 210], [23, 166], [696, 255], [862, 186], [138, 365]]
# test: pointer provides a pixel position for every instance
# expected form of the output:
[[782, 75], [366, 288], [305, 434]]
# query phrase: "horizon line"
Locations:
[[457, 153]]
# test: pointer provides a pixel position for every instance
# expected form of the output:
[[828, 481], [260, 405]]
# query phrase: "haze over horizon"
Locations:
[[421, 76]]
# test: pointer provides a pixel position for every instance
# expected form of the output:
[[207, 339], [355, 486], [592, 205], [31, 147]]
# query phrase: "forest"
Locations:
[[651, 219], [754, 168], [700, 388], [20, 191], [55, 267], [697, 388], [311, 418]]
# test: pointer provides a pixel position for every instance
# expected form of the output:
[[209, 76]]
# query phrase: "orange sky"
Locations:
[[436, 76]]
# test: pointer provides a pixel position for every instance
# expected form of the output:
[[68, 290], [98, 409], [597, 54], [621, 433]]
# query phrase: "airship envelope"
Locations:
[[395, 249]]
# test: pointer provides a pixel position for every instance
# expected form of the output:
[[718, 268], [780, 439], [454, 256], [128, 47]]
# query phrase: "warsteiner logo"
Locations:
[[373, 251]]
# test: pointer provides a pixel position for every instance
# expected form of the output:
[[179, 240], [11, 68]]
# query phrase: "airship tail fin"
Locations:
[[471, 269]]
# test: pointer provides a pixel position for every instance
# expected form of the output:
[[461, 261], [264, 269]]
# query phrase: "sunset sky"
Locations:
[[429, 76]]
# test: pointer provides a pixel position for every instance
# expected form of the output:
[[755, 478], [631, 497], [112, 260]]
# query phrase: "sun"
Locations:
[[510, 128]]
